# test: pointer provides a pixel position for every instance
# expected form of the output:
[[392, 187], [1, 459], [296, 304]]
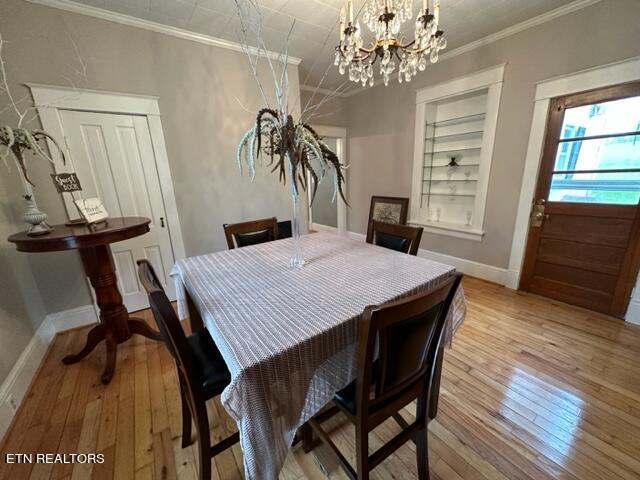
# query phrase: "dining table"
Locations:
[[288, 335]]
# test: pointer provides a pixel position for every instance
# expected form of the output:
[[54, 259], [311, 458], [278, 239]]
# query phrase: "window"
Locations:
[[598, 156]]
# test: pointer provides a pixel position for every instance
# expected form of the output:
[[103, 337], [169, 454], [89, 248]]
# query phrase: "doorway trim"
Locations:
[[597, 77], [340, 134], [49, 100]]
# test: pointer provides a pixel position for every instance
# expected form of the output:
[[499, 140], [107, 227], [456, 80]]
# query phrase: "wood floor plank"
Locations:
[[532, 389]]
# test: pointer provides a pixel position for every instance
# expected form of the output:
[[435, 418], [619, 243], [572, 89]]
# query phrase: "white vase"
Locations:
[[35, 218]]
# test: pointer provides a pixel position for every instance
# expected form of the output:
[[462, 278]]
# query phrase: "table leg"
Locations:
[[94, 337], [112, 352], [115, 325], [435, 385], [140, 327], [195, 320]]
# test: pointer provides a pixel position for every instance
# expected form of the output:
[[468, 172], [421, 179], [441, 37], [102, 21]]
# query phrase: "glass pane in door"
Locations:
[[606, 118], [618, 188], [598, 155]]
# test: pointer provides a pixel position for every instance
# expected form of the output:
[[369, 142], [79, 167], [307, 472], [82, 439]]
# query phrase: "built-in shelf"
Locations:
[[469, 195], [459, 165], [455, 120], [453, 135], [467, 232], [474, 117], [454, 150], [439, 180]]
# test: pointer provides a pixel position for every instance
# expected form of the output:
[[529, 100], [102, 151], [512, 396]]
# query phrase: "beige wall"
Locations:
[[381, 120], [202, 120], [21, 307]]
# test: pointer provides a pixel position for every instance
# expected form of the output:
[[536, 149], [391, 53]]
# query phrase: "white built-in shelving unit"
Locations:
[[455, 129]]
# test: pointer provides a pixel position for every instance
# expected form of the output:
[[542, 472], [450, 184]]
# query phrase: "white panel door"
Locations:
[[114, 159]]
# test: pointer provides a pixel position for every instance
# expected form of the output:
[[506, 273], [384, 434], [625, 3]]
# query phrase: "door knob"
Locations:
[[162, 222], [537, 213]]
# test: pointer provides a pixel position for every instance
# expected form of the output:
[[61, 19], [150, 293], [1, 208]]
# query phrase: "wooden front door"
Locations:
[[583, 246]]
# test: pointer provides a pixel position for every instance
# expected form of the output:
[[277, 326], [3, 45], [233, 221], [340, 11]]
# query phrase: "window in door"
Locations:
[[598, 155]]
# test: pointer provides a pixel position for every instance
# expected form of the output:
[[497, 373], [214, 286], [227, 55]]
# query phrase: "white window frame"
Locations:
[[491, 80]]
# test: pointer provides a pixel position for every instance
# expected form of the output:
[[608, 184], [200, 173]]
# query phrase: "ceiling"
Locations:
[[315, 33]]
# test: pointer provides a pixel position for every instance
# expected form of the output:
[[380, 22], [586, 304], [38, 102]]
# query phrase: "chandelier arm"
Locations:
[[365, 57], [361, 50], [406, 45]]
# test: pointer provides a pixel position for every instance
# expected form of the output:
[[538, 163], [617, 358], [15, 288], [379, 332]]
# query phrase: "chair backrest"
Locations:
[[168, 323], [284, 229], [402, 238], [408, 333], [251, 233], [388, 210], [148, 276]]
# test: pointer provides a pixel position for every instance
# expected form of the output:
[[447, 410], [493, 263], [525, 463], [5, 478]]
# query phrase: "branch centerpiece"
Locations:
[[280, 133], [296, 150]]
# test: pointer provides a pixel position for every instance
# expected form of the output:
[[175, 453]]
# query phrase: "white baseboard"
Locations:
[[633, 312], [318, 227], [498, 275], [15, 386], [513, 279], [469, 267], [73, 318]]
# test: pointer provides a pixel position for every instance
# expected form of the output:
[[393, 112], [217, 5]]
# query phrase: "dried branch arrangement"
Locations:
[[294, 149], [290, 146], [16, 141]]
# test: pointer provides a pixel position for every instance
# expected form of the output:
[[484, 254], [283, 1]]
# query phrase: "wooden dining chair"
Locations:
[[202, 372], [284, 229], [251, 233], [388, 210], [402, 238], [408, 334]]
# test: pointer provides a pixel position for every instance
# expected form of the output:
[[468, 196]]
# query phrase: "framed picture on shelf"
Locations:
[[388, 210]]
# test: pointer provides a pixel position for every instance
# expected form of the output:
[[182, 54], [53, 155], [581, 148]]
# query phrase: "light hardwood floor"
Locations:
[[532, 389]]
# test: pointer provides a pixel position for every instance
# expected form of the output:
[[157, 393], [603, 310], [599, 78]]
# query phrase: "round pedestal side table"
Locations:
[[93, 244]]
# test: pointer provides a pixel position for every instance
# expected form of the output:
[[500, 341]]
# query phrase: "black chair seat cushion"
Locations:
[[212, 369], [254, 238], [392, 242], [346, 397]]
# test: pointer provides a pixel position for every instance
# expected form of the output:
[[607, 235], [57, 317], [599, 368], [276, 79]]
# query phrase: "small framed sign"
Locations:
[[66, 182], [91, 210]]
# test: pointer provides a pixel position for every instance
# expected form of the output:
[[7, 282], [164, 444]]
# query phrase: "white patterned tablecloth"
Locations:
[[289, 336]]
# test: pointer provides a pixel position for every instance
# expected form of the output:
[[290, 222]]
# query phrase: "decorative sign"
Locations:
[[91, 210], [66, 182]]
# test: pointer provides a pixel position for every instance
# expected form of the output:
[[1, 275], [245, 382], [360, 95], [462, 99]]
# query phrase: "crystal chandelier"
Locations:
[[384, 19]]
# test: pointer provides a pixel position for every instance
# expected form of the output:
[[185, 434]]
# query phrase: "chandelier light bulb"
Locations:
[[385, 19]]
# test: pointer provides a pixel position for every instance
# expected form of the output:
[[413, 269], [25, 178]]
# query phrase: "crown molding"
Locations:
[[463, 84], [494, 37], [130, 21]]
